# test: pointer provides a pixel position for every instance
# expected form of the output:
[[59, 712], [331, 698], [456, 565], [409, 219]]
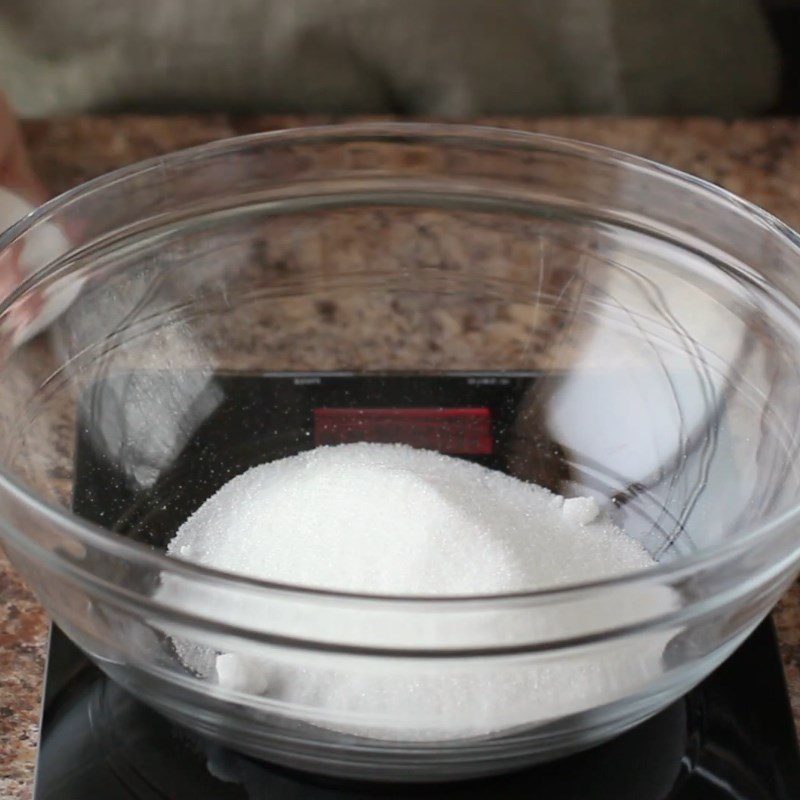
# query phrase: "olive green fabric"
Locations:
[[438, 57]]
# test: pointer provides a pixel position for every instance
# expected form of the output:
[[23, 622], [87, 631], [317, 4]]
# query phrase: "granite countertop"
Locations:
[[757, 159]]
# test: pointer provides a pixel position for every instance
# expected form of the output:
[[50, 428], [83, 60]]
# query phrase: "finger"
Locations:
[[16, 172], [42, 245]]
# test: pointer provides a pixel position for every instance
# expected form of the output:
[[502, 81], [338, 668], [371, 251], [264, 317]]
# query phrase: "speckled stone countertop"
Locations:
[[757, 159]]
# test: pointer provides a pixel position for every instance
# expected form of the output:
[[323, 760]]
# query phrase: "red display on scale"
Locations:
[[460, 431]]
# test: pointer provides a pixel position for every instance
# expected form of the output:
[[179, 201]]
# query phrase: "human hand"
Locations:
[[20, 192]]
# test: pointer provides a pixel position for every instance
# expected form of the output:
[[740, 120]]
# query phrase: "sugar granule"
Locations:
[[391, 519]]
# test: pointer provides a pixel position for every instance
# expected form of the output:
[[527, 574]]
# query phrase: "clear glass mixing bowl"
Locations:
[[659, 311]]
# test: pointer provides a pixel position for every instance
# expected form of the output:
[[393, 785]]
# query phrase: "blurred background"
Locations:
[[783, 17], [451, 58]]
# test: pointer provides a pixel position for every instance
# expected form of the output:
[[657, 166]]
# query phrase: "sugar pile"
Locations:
[[390, 519]]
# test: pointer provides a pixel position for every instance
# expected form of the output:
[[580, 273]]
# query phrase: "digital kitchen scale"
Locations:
[[732, 737]]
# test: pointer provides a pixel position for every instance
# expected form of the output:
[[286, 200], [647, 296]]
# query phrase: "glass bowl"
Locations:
[[652, 319]]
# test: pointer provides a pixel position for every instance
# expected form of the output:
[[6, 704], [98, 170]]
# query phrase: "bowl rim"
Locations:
[[96, 536]]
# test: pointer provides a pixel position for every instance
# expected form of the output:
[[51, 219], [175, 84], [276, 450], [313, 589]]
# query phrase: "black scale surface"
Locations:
[[732, 737]]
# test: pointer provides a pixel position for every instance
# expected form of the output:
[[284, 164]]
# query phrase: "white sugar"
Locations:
[[240, 673], [390, 519], [580, 510]]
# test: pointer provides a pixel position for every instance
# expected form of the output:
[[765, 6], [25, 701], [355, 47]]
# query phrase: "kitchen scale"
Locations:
[[731, 737]]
